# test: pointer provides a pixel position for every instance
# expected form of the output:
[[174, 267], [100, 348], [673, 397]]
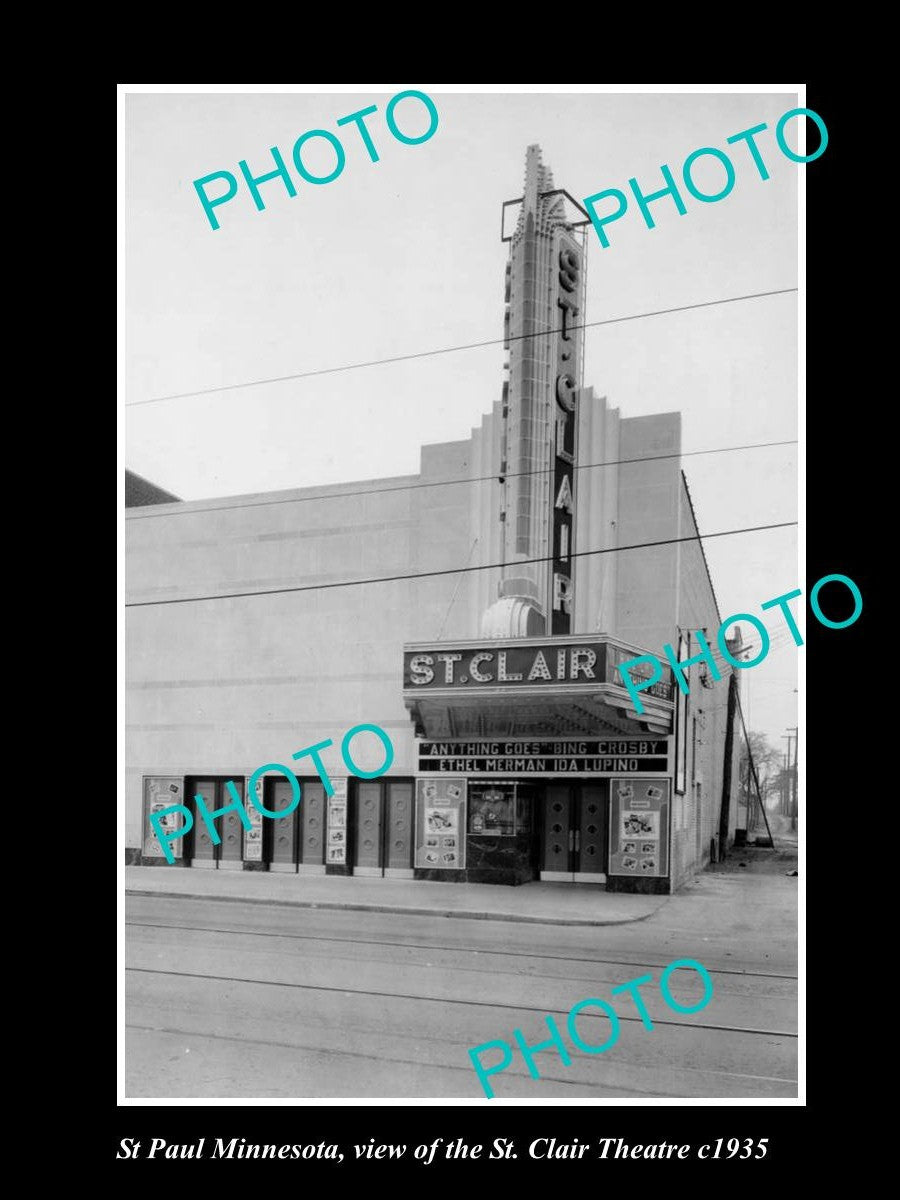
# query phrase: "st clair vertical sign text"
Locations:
[[562, 493]]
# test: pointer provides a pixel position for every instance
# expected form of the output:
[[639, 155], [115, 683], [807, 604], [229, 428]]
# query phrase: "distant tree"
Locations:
[[766, 760], [779, 787]]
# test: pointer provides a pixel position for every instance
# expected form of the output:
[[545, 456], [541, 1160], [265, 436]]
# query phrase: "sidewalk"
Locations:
[[535, 903], [779, 859]]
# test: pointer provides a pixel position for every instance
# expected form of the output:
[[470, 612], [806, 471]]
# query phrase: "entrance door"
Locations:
[[312, 828], [228, 855], [368, 830], [575, 833], [297, 839], [283, 830], [591, 833], [204, 854], [398, 834], [384, 828], [231, 830]]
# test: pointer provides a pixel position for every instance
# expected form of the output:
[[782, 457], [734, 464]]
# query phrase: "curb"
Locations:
[[407, 910]]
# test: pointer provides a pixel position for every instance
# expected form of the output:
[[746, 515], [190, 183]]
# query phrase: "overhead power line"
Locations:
[[409, 487], [777, 641], [378, 362], [321, 587]]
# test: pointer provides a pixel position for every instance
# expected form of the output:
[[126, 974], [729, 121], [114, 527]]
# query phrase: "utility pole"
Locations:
[[751, 811], [725, 811], [796, 732], [755, 775]]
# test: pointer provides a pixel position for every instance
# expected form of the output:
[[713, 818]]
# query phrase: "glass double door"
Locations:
[[575, 832]]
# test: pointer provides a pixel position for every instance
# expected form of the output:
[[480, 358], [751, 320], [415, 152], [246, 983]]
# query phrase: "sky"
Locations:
[[404, 256]]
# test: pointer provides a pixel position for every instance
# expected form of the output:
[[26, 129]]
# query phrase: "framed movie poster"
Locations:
[[639, 827], [161, 792], [336, 850], [441, 823], [253, 835]]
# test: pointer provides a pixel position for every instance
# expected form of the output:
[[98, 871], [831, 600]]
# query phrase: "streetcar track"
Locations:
[[409, 1062], [328, 1051], [312, 987], [456, 949], [478, 968]]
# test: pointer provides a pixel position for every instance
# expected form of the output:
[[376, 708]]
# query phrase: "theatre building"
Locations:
[[508, 579]]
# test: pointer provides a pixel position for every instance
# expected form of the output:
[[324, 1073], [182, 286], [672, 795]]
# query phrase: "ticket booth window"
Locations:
[[499, 809], [492, 809]]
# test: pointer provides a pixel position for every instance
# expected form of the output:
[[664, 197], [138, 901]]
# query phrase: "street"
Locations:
[[231, 999]]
